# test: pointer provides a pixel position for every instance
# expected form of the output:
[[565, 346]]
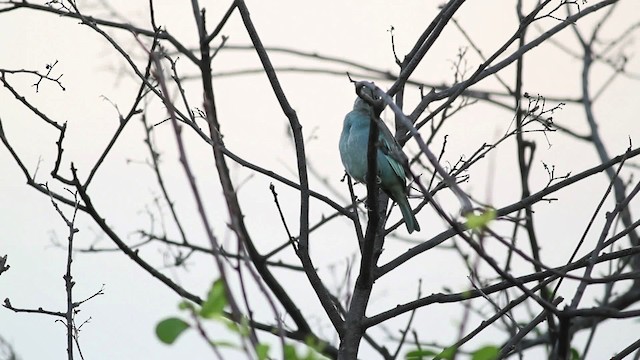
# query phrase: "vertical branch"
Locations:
[[613, 175], [296, 128], [598, 143], [236, 313], [155, 163], [353, 328], [424, 43], [68, 278], [68, 284], [525, 152], [233, 205], [373, 205], [355, 218]]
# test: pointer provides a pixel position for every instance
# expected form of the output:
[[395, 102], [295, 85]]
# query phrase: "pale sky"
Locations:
[[96, 78]]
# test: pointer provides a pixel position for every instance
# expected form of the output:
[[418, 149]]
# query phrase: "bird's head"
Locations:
[[367, 99]]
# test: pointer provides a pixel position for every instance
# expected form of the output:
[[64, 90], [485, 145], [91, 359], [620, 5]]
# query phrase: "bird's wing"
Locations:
[[390, 147]]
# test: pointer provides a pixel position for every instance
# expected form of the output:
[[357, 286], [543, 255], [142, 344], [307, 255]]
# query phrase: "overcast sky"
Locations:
[[98, 83]]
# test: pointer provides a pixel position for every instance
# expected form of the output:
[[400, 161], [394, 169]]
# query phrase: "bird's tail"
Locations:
[[407, 214]]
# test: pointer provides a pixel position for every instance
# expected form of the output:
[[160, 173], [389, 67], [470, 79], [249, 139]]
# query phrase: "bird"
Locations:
[[353, 145]]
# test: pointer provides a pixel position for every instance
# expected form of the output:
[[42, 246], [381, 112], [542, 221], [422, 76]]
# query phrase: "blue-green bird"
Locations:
[[353, 152]]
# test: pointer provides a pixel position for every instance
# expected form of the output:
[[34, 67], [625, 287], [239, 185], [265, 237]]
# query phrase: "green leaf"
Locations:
[[419, 354], [312, 355], [315, 348], [243, 329], [467, 294], [215, 302], [447, 354], [186, 305], [225, 344], [262, 350], [290, 352], [169, 329], [479, 221], [488, 352], [575, 355]]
